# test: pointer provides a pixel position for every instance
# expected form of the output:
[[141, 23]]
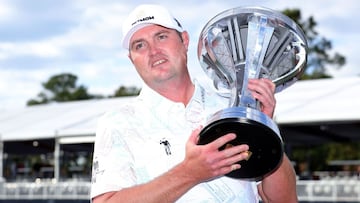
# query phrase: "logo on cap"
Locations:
[[143, 19]]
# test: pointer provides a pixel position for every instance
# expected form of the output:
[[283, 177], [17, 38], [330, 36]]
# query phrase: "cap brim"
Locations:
[[127, 37]]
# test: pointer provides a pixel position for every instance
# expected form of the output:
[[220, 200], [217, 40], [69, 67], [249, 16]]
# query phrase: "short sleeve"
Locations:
[[112, 161]]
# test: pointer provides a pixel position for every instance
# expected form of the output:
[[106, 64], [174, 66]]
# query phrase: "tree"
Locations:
[[126, 91], [319, 58], [319, 156], [319, 47], [61, 88]]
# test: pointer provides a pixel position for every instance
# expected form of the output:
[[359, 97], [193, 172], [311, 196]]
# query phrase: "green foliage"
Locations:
[[61, 88], [318, 48], [319, 156], [126, 91]]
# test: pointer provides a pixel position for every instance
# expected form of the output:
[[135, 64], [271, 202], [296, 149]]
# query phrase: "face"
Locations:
[[159, 55]]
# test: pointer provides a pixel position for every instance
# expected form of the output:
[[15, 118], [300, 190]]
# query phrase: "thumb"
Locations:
[[194, 137]]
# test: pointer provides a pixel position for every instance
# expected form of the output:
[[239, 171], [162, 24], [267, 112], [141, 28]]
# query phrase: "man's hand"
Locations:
[[205, 162], [263, 90]]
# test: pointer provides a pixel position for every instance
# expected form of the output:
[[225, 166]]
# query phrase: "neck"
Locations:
[[178, 91]]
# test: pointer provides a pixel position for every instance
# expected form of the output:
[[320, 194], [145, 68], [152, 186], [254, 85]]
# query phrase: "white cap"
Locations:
[[145, 15]]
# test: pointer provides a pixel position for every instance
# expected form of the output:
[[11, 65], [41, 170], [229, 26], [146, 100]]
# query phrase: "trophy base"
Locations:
[[253, 128]]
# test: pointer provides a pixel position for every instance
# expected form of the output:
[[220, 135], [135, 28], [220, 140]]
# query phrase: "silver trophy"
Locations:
[[241, 44]]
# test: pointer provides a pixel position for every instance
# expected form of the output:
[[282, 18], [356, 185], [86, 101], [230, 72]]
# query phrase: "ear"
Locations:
[[185, 39], [129, 56]]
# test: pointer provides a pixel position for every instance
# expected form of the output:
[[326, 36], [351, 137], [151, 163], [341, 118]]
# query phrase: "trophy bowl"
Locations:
[[250, 43]]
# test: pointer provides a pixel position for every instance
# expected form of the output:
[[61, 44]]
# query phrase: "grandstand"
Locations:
[[46, 150]]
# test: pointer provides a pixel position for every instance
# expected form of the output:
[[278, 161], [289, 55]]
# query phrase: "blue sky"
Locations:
[[41, 38]]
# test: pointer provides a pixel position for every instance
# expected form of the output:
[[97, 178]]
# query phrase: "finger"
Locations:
[[269, 83], [221, 141], [233, 150], [265, 83], [262, 88], [235, 158], [235, 167], [262, 85], [230, 168]]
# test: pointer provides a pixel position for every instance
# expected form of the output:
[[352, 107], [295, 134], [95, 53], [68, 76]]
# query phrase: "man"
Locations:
[[147, 151]]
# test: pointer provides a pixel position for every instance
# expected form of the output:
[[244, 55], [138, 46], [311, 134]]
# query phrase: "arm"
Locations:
[[201, 163], [284, 177], [166, 188], [280, 186]]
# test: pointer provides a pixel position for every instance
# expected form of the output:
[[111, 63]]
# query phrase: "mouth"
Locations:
[[158, 62]]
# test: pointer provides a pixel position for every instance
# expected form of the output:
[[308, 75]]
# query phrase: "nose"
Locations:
[[153, 48]]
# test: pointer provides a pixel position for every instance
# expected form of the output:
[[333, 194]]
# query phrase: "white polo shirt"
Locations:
[[147, 137]]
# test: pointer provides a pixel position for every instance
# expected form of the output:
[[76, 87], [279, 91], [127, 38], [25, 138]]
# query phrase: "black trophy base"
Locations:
[[264, 142]]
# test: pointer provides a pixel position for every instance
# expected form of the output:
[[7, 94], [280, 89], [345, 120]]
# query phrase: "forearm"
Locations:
[[201, 163], [281, 185], [166, 188]]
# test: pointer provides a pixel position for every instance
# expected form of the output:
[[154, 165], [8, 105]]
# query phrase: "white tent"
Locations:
[[66, 119], [323, 100], [318, 111]]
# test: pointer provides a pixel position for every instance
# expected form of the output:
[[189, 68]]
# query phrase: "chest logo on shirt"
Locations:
[[167, 146]]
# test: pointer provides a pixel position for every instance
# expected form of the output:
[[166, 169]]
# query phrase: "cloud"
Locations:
[[42, 38], [6, 11]]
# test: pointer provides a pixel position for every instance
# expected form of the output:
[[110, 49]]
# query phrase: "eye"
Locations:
[[162, 36], [139, 45]]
